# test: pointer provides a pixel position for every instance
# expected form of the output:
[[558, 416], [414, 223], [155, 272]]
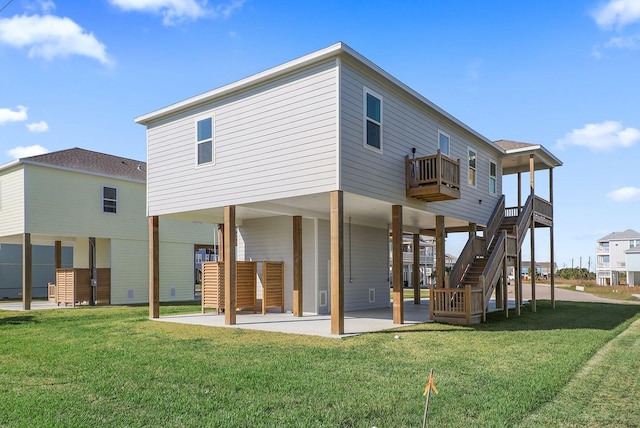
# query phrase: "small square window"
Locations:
[[109, 200], [204, 141]]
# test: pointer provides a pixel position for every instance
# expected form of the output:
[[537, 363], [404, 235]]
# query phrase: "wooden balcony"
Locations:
[[433, 178]]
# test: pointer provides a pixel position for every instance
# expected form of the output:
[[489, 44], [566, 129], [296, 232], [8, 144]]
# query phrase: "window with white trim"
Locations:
[[443, 143], [493, 177], [372, 120], [109, 200], [204, 141], [473, 158]]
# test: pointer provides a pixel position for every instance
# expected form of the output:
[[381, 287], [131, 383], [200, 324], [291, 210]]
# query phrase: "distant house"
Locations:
[[611, 255], [87, 210], [543, 269], [317, 161]]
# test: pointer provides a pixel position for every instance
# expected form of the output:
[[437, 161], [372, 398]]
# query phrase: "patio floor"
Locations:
[[355, 322]]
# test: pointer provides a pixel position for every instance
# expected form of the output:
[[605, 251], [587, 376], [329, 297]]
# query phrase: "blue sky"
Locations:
[[564, 74]]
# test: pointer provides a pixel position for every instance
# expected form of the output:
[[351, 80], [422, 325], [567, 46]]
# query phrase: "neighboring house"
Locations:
[[543, 269], [86, 210], [611, 257], [318, 160]]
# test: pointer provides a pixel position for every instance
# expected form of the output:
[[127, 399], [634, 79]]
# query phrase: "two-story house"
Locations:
[[316, 162], [85, 210], [611, 257]]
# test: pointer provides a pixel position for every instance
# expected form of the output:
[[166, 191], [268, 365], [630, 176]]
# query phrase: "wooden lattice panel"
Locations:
[[213, 286], [272, 285], [73, 286]]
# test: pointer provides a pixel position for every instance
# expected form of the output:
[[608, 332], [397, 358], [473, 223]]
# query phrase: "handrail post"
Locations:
[[467, 303], [439, 168], [484, 299], [407, 173]]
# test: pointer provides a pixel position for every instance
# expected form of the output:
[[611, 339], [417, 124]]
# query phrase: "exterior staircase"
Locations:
[[481, 268]]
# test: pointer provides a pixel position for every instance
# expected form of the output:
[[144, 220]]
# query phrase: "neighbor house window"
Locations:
[[204, 141], [109, 200], [443, 143], [493, 178], [473, 157], [373, 120]]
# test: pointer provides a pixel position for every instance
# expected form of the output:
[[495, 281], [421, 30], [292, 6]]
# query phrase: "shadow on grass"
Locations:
[[22, 319]]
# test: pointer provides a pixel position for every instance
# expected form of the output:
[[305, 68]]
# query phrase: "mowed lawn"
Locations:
[[576, 365]]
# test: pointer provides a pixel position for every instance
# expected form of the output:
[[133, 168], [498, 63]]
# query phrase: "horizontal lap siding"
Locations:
[[176, 271], [273, 141], [12, 201], [129, 271], [406, 124], [69, 203]]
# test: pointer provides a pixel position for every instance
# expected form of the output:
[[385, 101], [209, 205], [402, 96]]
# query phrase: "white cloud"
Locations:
[[17, 115], [176, 11], [617, 13], [625, 194], [41, 126], [624, 42], [601, 136], [23, 152], [49, 37]]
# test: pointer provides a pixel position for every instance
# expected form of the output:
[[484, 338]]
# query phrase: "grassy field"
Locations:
[[576, 365]]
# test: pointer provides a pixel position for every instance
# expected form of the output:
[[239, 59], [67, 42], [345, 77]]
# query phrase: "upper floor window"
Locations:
[[443, 143], [109, 200], [204, 141], [473, 156], [493, 178], [373, 120], [634, 243]]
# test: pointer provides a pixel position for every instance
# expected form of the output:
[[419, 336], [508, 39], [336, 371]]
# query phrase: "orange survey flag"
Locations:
[[430, 385]]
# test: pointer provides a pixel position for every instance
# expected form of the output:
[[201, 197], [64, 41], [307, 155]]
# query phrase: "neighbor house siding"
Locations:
[[68, 203], [176, 271], [273, 141], [12, 201], [129, 271], [406, 124]]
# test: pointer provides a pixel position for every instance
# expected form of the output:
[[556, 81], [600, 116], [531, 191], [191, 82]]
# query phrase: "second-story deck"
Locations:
[[433, 178]]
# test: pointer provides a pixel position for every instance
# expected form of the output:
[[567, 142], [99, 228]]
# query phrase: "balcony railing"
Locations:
[[433, 178]]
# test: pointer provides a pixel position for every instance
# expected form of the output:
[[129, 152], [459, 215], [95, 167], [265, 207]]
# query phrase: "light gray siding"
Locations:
[[366, 268], [277, 140], [406, 124]]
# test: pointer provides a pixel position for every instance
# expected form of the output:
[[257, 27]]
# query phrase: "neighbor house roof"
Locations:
[[621, 236], [634, 250], [95, 163]]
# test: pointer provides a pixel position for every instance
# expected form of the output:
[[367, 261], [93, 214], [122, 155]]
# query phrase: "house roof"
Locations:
[[518, 155], [634, 250], [339, 49], [95, 163], [620, 236]]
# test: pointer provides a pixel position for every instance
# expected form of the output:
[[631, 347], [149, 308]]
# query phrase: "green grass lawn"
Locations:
[[111, 366]]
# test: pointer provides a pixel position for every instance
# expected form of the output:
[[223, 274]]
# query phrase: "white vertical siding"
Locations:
[[273, 141], [12, 201], [366, 267], [405, 125]]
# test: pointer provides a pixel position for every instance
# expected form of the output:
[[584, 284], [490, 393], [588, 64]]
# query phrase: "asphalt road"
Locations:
[[543, 292]]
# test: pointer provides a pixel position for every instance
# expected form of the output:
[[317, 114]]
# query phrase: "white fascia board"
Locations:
[[548, 157], [10, 164]]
